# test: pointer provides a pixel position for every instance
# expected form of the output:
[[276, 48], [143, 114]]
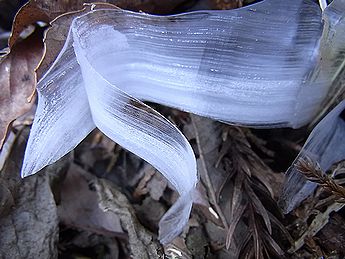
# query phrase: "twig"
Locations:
[[312, 171], [209, 186], [318, 223]]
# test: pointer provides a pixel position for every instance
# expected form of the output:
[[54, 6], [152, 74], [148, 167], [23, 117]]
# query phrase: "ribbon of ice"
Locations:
[[269, 64], [326, 146]]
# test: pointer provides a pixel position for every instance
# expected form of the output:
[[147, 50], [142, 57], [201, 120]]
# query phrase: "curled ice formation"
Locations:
[[326, 146], [265, 65]]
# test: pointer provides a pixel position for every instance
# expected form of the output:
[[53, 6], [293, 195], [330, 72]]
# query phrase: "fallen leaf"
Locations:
[[79, 205], [18, 80], [141, 188], [27, 15], [156, 186]]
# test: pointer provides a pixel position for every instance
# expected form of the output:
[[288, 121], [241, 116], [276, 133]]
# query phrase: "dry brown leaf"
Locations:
[[29, 14], [17, 68], [79, 205], [157, 185], [56, 35], [18, 80]]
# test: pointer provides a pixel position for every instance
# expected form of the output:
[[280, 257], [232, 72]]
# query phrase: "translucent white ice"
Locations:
[[326, 146], [269, 64]]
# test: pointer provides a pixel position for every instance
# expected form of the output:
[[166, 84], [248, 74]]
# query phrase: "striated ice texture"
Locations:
[[251, 66], [326, 146], [270, 64], [63, 117]]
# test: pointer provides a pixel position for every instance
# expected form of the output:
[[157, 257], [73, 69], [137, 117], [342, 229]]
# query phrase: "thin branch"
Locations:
[[318, 223], [312, 171], [209, 186]]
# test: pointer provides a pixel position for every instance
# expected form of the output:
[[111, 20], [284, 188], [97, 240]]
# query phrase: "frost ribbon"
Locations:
[[325, 146], [267, 65]]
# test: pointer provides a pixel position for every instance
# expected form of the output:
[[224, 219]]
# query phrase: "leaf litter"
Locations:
[[18, 79]]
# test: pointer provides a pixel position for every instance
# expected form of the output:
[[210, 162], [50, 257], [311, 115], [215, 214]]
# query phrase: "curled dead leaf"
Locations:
[[18, 79], [79, 205], [56, 35], [29, 14]]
